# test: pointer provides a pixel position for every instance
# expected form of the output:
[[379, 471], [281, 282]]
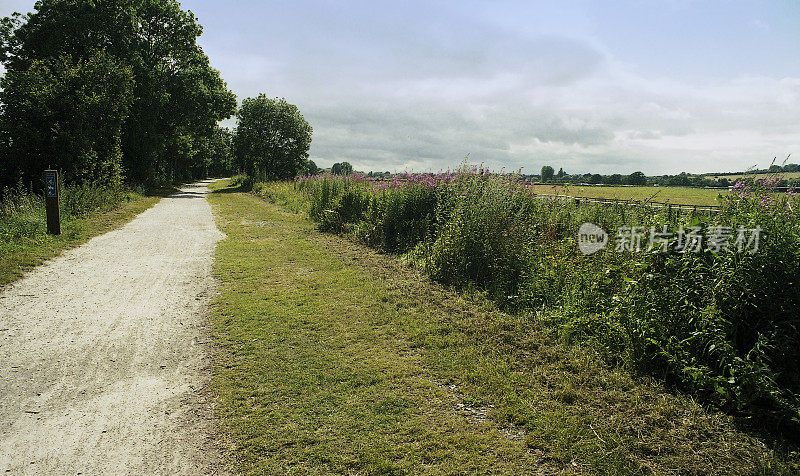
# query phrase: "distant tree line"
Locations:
[[772, 169], [108, 90], [683, 179]]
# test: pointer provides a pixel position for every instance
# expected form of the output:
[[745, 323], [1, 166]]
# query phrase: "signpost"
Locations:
[[52, 198]]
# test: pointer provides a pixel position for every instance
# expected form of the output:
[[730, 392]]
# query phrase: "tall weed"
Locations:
[[22, 212]]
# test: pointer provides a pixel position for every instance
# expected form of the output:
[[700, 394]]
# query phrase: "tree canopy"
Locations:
[[342, 168], [272, 139], [108, 87], [310, 168], [547, 173], [67, 113], [637, 178]]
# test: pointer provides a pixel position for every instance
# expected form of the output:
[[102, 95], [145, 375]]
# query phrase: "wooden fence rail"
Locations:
[[670, 207]]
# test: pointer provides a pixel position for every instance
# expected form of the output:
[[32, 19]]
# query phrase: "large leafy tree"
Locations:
[[637, 178], [272, 139], [342, 168], [177, 97], [547, 173], [216, 155], [310, 168], [66, 113]]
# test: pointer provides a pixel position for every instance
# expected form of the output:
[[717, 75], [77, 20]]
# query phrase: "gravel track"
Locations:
[[104, 351]]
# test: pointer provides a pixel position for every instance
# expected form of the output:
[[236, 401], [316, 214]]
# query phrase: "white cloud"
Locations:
[[759, 25]]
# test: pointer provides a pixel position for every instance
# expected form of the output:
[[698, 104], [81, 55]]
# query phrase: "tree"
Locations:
[[214, 155], [614, 179], [637, 178], [595, 179], [310, 168], [66, 113], [343, 168], [561, 173], [177, 97], [272, 138], [681, 180], [547, 173]]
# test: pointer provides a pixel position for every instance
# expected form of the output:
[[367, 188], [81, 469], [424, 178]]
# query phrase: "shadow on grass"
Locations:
[[162, 191], [187, 194], [779, 435]]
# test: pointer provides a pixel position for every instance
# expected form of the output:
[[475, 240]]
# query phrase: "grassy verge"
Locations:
[[333, 358], [719, 324], [34, 246]]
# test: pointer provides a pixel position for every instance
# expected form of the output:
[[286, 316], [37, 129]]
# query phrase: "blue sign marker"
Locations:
[[50, 181], [51, 200]]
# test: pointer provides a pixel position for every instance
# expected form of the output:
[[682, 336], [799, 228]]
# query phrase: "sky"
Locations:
[[587, 86]]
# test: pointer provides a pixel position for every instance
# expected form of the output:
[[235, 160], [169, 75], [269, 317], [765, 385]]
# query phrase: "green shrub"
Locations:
[[282, 193], [725, 325], [22, 213], [82, 200], [243, 182]]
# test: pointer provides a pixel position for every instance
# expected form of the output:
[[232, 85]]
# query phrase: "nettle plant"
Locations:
[[724, 324]]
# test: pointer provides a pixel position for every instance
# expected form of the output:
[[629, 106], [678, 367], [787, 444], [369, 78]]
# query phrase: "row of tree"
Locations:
[[638, 178], [108, 89], [548, 176], [113, 90]]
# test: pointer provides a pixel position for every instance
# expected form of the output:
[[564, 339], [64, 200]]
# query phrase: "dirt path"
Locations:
[[103, 351]]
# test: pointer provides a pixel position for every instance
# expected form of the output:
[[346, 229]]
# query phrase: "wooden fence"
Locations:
[[671, 208]]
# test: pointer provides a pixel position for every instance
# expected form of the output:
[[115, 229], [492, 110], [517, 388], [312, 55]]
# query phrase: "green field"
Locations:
[[674, 195], [335, 359]]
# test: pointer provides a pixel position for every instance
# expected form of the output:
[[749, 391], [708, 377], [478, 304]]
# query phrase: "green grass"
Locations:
[[334, 359], [675, 195], [282, 193], [28, 245]]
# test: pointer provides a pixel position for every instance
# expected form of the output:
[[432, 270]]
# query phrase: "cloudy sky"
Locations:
[[594, 86]]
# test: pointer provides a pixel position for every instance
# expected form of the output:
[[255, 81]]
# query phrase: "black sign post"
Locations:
[[51, 197]]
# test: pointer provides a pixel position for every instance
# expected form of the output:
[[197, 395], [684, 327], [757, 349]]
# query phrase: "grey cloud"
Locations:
[[419, 85], [646, 135]]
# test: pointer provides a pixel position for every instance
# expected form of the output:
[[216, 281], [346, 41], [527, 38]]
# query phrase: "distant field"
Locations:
[[786, 175], [676, 195]]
